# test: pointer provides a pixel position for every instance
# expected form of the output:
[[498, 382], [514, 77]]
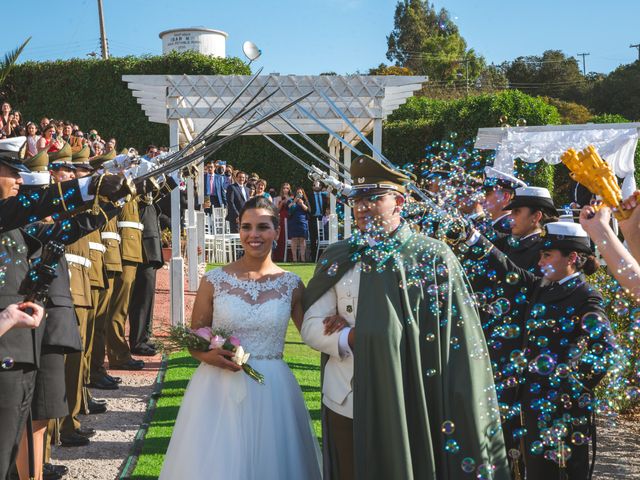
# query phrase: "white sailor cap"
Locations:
[[495, 178], [533, 197], [566, 235], [36, 179], [12, 152]]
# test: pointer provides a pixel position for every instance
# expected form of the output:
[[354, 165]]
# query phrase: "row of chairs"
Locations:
[[222, 246]]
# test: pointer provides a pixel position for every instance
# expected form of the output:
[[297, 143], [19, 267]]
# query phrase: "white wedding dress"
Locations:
[[231, 427]]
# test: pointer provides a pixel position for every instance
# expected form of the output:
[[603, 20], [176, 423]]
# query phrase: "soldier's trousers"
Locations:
[[101, 308], [74, 377], [141, 310], [117, 347], [16, 392]]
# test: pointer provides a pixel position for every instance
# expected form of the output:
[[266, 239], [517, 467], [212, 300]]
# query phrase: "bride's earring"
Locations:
[[275, 245]]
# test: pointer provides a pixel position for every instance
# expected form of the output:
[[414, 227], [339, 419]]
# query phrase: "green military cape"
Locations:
[[407, 383]]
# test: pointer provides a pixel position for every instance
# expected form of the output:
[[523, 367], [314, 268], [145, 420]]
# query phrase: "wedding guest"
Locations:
[[261, 190], [298, 225], [32, 140], [46, 141], [282, 202], [237, 195]]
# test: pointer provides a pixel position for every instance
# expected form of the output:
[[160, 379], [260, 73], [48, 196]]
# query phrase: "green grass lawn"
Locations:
[[303, 361]]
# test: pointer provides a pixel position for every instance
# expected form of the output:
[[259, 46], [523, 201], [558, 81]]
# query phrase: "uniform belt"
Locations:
[[110, 235], [97, 246], [136, 225], [71, 258]]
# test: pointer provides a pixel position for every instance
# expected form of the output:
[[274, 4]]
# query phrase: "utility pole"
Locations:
[[466, 72], [638, 47], [103, 34], [584, 63]]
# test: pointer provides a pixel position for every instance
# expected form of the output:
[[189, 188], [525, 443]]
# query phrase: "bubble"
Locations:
[[543, 364], [501, 306], [537, 448], [511, 330], [21, 249], [521, 122], [594, 324], [333, 269], [453, 135], [514, 453], [633, 393], [579, 438], [442, 270], [512, 278], [503, 120], [563, 370], [7, 363], [468, 465], [542, 341], [485, 471], [448, 427], [432, 289], [430, 337], [430, 372], [451, 446]]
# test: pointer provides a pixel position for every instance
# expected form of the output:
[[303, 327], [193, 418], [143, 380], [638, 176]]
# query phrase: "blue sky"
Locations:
[[314, 36]]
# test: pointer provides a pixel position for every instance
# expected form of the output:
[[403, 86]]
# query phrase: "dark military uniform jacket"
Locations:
[[151, 236]]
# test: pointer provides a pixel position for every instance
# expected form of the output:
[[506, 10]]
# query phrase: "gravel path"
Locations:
[[105, 456], [617, 449]]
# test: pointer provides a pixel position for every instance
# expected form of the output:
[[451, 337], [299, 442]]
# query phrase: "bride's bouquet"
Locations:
[[204, 339]]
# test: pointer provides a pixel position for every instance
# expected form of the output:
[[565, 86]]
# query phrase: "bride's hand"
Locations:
[[220, 358]]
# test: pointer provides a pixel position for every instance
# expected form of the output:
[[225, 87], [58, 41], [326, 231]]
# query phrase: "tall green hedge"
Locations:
[[92, 94]]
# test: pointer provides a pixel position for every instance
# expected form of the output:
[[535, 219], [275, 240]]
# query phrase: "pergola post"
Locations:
[[347, 210], [176, 265], [377, 137]]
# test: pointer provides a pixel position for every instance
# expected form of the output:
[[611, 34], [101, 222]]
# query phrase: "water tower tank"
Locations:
[[203, 40]]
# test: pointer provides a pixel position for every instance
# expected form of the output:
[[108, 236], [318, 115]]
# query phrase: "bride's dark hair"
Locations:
[[264, 203]]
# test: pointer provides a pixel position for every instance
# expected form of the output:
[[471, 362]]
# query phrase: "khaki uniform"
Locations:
[[98, 282], [112, 264], [77, 255], [130, 230]]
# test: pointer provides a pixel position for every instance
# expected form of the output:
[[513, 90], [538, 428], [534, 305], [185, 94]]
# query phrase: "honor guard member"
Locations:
[[531, 208], [61, 335], [110, 238], [77, 256], [96, 279], [20, 348], [499, 190], [130, 230], [564, 349], [144, 289]]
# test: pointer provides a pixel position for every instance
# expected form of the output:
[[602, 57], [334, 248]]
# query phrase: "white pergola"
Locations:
[[187, 103]]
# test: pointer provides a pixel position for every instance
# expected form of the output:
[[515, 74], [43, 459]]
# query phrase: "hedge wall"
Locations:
[[92, 94]]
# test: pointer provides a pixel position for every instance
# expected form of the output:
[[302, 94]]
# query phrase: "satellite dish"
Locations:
[[251, 51]]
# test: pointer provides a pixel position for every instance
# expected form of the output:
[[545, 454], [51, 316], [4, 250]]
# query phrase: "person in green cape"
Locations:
[[407, 388]]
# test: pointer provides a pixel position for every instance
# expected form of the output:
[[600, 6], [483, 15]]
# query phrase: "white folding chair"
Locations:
[[323, 238], [287, 241]]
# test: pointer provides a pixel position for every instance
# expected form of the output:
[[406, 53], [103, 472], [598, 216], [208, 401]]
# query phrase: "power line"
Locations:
[[584, 64]]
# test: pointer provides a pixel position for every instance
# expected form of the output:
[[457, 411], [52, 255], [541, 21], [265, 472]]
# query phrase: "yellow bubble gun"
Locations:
[[588, 169]]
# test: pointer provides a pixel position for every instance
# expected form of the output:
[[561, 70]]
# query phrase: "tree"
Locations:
[[571, 113], [552, 75], [383, 69], [7, 64], [619, 92], [429, 43]]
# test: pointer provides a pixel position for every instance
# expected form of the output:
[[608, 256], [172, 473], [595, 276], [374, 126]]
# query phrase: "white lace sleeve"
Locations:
[[293, 282], [213, 276]]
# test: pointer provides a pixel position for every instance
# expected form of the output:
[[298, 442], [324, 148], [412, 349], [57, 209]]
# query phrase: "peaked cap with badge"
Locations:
[[566, 235], [80, 159], [61, 158], [494, 178], [369, 176]]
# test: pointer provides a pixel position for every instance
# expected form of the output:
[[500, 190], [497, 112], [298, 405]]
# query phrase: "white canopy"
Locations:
[[616, 143]]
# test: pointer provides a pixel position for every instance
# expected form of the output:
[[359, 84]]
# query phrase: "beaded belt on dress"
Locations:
[[275, 356]]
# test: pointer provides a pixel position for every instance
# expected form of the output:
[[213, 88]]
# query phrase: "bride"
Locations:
[[229, 426]]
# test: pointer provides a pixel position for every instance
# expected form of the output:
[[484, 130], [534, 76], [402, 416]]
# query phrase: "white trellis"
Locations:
[[187, 103]]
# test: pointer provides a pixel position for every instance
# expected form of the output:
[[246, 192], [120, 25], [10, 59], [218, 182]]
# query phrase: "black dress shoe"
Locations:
[[98, 401], [144, 350], [103, 384], [95, 408], [86, 431], [113, 379], [73, 440], [130, 365], [58, 470]]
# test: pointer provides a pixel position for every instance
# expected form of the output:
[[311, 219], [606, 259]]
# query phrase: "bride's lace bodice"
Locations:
[[257, 312]]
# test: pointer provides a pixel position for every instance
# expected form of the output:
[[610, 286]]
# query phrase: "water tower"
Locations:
[[203, 40]]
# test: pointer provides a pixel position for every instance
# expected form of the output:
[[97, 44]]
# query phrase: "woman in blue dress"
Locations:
[[298, 225]]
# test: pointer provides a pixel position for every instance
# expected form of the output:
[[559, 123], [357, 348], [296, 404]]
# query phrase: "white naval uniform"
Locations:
[[341, 299]]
